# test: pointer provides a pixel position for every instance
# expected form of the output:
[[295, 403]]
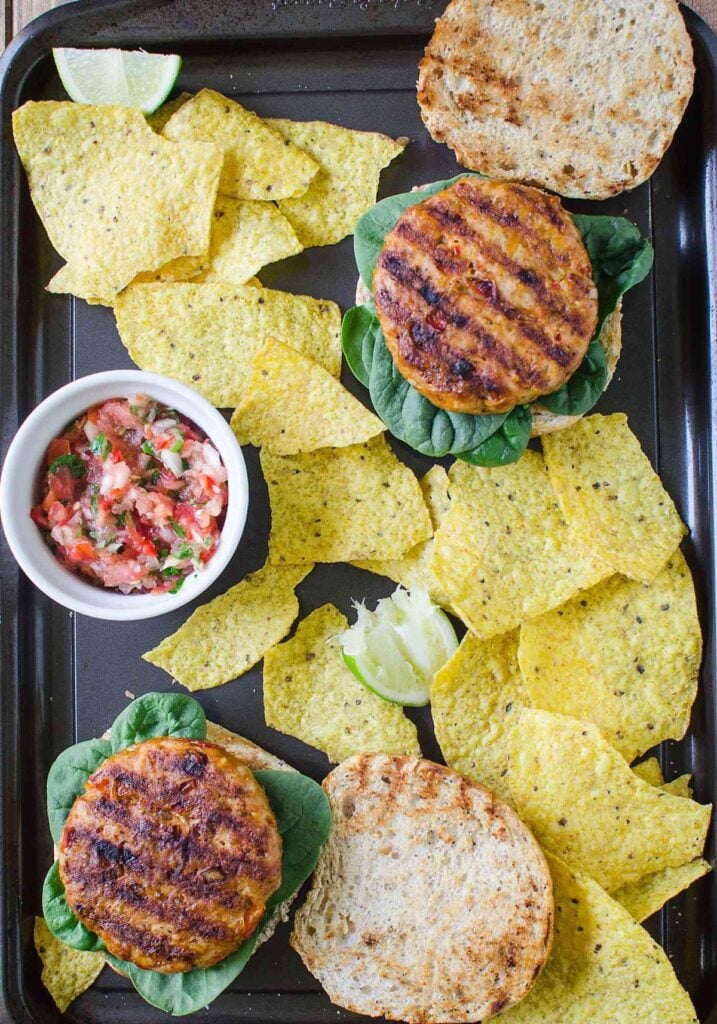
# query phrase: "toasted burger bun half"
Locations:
[[582, 97], [544, 421], [431, 900], [256, 759]]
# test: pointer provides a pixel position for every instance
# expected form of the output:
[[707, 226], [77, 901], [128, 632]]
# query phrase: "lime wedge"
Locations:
[[396, 650], [125, 78]]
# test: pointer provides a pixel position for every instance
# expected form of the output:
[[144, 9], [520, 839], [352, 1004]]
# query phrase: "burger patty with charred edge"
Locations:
[[170, 854], [485, 296]]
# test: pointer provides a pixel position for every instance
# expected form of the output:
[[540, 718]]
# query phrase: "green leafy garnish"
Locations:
[[149, 450], [73, 462], [100, 446], [158, 714], [177, 528], [178, 444], [177, 586], [186, 551], [172, 570], [94, 489]]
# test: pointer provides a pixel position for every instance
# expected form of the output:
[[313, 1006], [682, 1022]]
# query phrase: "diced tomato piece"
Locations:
[[60, 446], [83, 551], [63, 484]]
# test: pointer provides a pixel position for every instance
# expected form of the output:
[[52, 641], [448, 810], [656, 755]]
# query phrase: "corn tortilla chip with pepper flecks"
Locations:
[[206, 335], [475, 701], [604, 967], [634, 647], [311, 694], [342, 504], [611, 495], [259, 163], [224, 638], [414, 568], [115, 198], [66, 972], [504, 553], [293, 405], [586, 805], [648, 894], [345, 187]]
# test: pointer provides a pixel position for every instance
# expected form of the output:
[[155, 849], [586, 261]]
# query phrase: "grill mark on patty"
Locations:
[[169, 841], [165, 786], [493, 297], [446, 218], [172, 912], [400, 270], [513, 221]]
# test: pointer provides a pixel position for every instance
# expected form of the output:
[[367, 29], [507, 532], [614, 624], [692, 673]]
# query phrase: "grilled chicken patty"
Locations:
[[485, 296], [170, 854]]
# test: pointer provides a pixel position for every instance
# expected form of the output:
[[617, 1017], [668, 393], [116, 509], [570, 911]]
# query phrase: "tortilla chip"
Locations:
[[66, 972], [650, 771], [206, 335], [292, 405], [259, 163], [475, 701], [159, 118], [612, 497], [414, 568], [347, 183], [224, 638], [309, 693], [604, 967], [337, 505], [503, 553], [645, 897], [681, 786], [586, 805], [624, 655], [115, 199], [246, 236]]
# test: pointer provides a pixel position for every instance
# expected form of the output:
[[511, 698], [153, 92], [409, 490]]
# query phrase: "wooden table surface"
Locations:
[[19, 12]]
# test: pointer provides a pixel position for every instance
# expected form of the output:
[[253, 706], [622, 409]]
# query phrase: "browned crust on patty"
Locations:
[[170, 854], [485, 295]]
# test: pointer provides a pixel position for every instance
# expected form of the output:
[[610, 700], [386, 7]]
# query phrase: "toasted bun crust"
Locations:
[[431, 900], [485, 296], [170, 854], [581, 98]]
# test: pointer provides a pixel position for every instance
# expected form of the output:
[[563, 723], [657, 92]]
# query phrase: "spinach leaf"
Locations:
[[620, 258], [158, 714], [304, 820], [581, 392], [507, 444], [67, 778], [376, 223], [360, 331], [413, 418], [61, 920]]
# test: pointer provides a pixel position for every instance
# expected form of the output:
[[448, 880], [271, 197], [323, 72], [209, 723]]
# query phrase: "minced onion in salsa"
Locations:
[[132, 496]]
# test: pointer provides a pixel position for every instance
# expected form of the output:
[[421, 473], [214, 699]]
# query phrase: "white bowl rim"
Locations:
[[19, 479]]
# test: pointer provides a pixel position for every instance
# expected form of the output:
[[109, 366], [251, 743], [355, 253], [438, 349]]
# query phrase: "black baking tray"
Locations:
[[64, 677]]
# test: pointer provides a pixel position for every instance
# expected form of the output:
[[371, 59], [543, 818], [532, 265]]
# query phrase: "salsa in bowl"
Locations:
[[123, 495]]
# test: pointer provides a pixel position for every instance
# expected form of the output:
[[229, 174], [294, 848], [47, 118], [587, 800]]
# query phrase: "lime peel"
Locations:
[[396, 650], [124, 78]]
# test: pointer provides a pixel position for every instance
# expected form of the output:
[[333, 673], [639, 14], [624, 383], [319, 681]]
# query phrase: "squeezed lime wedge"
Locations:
[[125, 78], [396, 650]]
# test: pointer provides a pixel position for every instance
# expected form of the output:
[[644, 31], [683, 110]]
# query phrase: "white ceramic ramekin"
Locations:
[[20, 478]]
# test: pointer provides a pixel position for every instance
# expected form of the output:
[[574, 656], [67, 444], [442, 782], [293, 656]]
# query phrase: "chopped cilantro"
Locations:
[[73, 462], [178, 585], [101, 446], [172, 570], [177, 528], [185, 465], [185, 551], [121, 518], [154, 476]]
